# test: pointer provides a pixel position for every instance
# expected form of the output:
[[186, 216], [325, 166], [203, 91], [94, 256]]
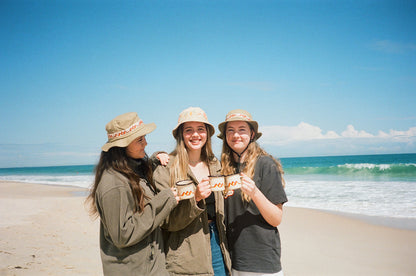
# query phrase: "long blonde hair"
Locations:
[[252, 153], [179, 168]]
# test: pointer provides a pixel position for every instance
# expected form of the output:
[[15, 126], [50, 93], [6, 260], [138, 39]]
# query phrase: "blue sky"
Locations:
[[320, 77]]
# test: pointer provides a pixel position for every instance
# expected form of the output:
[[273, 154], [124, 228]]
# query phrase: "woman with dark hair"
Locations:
[[195, 230], [125, 199], [254, 211]]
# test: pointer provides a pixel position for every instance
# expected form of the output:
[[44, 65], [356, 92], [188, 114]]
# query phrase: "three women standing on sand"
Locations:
[[194, 230]]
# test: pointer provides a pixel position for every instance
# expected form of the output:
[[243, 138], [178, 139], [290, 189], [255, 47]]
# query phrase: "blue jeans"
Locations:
[[217, 258]]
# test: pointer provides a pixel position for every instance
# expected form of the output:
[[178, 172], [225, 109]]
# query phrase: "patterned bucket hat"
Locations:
[[193, 114], [123, 129], [239, 115]]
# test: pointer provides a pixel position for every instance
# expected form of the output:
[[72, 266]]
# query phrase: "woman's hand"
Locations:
[[203, 190], [175, 193], [248, 186], [270, 212], [163, 158]]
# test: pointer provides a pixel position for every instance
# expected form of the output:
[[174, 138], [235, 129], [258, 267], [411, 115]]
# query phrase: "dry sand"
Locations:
[[45, 230], [320, 243]]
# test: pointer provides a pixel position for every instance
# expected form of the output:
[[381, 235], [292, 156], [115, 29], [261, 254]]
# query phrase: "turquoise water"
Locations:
[[394, 166], [374, 185], [80, 176]]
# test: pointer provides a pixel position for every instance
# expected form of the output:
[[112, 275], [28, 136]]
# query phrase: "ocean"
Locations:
[[370, 185]]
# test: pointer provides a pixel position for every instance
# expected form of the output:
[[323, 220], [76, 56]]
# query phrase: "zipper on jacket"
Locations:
[[152, 252]]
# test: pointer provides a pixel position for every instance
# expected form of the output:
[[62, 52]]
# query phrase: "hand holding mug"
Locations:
[[248, 186], [175, 194], [185, 188], [203, 190]]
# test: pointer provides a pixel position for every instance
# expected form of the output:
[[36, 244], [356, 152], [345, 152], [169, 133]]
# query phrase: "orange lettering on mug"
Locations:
[[219, 185], [186, 193], [233, 183]]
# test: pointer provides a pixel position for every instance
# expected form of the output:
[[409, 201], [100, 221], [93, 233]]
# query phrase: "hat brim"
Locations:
[[125, 141]]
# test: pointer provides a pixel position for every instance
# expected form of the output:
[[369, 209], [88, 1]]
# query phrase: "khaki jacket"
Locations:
[[131, 243], [186, 230]]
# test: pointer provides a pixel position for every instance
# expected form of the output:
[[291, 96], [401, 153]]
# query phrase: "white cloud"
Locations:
[[283, 135], [280, 135], [350, 132], [403, 136]]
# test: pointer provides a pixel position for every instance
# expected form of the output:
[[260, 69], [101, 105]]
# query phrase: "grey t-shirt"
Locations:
[[254, 244]]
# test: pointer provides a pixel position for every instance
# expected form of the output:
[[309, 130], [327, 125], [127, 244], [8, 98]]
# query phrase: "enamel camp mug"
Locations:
[[186, 189], [232, 182], [217, 183]]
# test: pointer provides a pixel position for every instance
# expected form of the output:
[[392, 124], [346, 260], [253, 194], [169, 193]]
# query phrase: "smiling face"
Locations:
[[194, 135], [136, 148], [238, 134]]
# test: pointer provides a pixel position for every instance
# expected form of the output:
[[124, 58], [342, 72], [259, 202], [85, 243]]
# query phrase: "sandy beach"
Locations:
[[45, 230]]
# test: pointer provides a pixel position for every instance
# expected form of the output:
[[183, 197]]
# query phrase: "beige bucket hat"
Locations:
[[123, 129], [239, 115], [193, 114]]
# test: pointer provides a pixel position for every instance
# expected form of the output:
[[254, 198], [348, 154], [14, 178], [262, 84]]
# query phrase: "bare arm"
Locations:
[[270, 212]]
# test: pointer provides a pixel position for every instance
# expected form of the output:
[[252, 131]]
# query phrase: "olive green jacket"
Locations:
[[131, 243], [186, 230]]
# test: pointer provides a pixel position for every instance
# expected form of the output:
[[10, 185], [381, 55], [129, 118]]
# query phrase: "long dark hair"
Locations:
[[117, 159]]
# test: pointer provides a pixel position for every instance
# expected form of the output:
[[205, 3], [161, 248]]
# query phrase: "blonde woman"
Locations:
[[254, 211], [125, 199], [195, 229]]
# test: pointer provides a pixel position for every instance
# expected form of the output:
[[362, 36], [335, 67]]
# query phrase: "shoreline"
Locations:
[[403, 223], [46, 230]]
